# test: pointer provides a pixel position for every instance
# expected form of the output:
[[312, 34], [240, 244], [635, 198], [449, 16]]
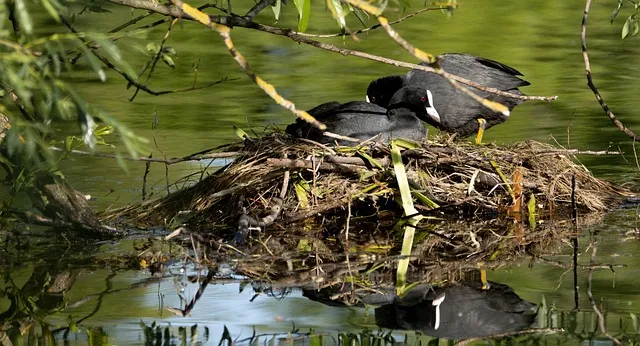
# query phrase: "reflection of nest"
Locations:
[[280, 259], [464, 179]]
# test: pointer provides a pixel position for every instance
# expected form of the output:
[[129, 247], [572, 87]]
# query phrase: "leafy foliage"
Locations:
[[34, 95], [632, 25]]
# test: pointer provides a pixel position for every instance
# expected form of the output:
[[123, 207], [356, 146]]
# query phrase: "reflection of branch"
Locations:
[[575, 244], [237, 21], [601, 320], [203, 286], [100, 297], [587, 67]]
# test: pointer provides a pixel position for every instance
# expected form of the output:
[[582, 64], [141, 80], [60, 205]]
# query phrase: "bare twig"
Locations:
[[147, 168], [132, 79], [592, 86], [308, 164], [373, 27], [157, 57], [261, 5], [519, 332], [578, 152], [149, 159], [225, 32]]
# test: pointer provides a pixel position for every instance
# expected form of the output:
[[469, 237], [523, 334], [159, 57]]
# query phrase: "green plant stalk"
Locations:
[[371, 160], [425, 200], [504, 179], [409, 227]]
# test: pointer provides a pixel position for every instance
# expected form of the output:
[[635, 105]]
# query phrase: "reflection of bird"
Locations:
[[362, 120], [458, 311], [453, 111]]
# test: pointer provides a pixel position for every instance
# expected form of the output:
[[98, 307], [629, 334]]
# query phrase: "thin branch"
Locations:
[[578, 152], [514, 333], [307, 164], [236, 21], [225, 32], [131, 22], [149, 159], [157, 57], [132, 79], [261, 5], [592, 86], [373, 27]]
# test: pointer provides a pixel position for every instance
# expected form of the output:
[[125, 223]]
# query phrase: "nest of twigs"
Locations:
[[327, 191], [460, 178]]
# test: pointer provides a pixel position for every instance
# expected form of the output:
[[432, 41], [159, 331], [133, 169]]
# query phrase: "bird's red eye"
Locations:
[[423, 99]]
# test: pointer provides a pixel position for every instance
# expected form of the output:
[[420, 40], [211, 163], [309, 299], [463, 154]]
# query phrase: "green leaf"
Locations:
[[628, 26], [406, 143], [335, 7], [276, 9], [304, 245], [301, 194], [152, 48], [304, 12], [169, 50], [23, 16], [68, 143], [51, 8], [369, 158], [424, 199], [615, 11], [240, 132], [169, 61], [113, 53], [95, 64]]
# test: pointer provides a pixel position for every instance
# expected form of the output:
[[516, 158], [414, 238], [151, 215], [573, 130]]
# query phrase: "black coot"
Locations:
[[453, 111], [363, 120], [458, 311]]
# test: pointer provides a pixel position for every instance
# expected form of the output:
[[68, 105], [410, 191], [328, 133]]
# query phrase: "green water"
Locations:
[[539, 38]]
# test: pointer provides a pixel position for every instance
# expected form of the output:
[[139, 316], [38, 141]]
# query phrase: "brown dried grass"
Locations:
[[335, 178]]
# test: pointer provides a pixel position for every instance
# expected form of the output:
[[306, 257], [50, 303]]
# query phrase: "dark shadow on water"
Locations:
[[454, 311]]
